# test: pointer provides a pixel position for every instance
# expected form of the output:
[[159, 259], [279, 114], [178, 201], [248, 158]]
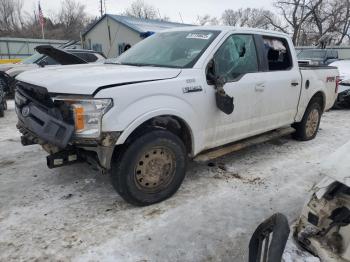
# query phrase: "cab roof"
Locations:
[[226, 29]]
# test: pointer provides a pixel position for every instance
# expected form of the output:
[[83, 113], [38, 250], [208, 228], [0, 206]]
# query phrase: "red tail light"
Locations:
[[337, 82]]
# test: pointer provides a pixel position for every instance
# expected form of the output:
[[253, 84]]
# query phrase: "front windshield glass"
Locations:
[[32, 59], [179, 49], [311, 54]]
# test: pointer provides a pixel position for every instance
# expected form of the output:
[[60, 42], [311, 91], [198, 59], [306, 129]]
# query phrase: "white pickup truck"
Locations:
[[174, 95]]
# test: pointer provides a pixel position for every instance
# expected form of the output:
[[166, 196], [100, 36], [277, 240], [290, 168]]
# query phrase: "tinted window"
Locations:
[[88, 57], [236, 56], [277, 53], [311, 54]]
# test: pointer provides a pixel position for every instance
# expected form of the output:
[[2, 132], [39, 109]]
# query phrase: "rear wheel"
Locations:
[[150, 169], [307, 129]]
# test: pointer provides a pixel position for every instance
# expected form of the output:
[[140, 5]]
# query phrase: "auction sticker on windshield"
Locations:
[[199, 36]]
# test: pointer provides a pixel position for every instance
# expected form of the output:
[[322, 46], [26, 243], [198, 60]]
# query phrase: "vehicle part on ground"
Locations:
[[3, 103], [269, 240], [149, 169], [324, 226]]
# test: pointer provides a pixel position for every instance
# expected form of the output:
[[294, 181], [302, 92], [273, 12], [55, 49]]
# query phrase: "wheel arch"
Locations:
[[321, 96], [167, 121]]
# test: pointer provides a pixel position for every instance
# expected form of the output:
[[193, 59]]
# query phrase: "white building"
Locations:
[[112, 34]]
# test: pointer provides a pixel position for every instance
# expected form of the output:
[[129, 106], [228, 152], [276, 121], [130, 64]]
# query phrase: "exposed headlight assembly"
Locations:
[[87, 114]]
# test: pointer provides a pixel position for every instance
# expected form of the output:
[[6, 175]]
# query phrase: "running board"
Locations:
[[237, 146]]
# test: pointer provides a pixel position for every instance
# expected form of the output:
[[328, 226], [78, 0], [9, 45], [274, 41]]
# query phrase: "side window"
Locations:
[[237, 56], [278, 54]]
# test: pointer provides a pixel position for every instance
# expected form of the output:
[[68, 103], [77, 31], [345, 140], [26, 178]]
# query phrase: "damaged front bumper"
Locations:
[[343, 98], [41, 122]]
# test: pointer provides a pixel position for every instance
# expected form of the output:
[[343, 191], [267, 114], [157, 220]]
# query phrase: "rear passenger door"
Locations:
[[281, 81]]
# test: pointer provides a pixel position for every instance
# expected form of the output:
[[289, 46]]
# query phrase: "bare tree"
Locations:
[[140, 9], [331, 20], [72, 19], [207, 20], [250, 17], [295, 13], [10, 16]]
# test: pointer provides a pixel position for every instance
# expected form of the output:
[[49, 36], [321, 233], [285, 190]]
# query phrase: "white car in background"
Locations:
[[343, 99]]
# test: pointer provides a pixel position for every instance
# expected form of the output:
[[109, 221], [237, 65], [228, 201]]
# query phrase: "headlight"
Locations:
[[87, 115]]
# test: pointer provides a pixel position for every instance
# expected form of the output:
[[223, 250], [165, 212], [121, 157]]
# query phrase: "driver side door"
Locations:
[[237, 60]]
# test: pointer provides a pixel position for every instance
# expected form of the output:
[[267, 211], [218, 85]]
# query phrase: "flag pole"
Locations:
[[42, 30], [42, 21]]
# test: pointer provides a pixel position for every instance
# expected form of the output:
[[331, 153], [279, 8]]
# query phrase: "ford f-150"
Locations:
[[178, 93]]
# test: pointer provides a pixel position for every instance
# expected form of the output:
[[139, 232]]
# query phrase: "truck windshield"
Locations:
[[312, 54], [180, 49]]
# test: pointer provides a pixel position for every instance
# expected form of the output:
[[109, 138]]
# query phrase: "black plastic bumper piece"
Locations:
[[39, 122], [63, 158]]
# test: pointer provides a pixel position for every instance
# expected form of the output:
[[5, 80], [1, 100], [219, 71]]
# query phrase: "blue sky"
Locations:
[[189, 9]]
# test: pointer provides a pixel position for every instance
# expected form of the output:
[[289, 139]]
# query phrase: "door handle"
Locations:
[[260, 87], [294, 83]]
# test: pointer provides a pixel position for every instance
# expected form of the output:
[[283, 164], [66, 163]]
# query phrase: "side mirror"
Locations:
[[42, 63], [223, 101], [212, 77]]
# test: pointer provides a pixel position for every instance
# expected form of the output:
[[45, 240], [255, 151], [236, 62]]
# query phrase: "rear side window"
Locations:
[[277, 53], [237, 56]]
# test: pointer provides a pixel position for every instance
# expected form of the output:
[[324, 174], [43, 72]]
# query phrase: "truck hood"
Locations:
[[19, 68], [86, 79], [337, 165]]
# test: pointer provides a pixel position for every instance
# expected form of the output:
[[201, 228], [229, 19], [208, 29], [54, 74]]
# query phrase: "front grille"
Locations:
[[36, 94], [41, 120]]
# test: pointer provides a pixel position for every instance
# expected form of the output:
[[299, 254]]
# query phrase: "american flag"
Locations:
[[41, 16]]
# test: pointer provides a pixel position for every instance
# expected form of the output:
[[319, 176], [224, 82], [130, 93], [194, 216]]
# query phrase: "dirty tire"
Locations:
[[150, 169], [307, 129]]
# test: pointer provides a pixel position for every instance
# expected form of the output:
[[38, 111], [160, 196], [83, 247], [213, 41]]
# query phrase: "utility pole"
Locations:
[[101, 7]]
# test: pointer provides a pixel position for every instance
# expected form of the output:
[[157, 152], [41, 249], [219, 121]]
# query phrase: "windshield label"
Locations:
[[199, 36]]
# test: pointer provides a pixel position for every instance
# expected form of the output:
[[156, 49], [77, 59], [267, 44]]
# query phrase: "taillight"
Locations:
[[337, 82]]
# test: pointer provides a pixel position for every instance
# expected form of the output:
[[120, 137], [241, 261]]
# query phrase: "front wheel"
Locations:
[[150, 169], [307, 129]]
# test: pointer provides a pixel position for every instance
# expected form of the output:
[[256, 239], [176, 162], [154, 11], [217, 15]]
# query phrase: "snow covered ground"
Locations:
[[73, 213]]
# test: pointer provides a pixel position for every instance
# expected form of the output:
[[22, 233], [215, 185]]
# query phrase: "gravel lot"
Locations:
[[73, 213]]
